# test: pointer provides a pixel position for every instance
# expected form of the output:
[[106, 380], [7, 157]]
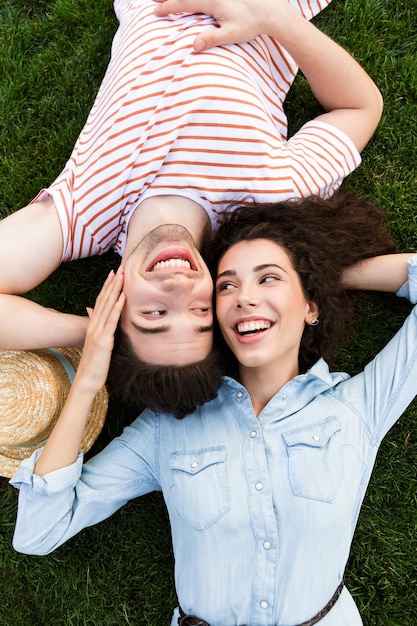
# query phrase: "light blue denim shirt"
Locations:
[[262, 510]]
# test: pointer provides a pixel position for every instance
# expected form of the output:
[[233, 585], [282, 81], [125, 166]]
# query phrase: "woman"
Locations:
[[263, 485]]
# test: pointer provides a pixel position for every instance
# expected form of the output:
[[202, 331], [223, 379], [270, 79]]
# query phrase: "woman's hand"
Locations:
[[63, 444], [99, 341]]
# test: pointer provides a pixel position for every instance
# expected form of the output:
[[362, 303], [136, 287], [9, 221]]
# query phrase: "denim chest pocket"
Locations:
[[200, 487], [315, 462]]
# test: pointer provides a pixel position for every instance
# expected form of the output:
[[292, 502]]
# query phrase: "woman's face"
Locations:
[[261, 306]]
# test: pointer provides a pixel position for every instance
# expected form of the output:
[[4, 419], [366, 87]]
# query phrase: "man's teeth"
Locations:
[[172, 263], [251, 327]]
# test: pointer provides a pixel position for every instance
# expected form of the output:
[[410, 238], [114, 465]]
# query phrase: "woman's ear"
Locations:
[[312, 315]]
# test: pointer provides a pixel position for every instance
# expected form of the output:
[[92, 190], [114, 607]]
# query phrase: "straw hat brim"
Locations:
[[34, 385]]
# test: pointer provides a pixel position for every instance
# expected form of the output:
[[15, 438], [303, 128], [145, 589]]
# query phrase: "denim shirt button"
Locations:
[[239, 394], [259, 486], [267, 545], [194, 465], [316, 438], [283, 397], [264, 604], [253, 434]]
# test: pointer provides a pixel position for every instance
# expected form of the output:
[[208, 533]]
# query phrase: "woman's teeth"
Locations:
[[251, 327]]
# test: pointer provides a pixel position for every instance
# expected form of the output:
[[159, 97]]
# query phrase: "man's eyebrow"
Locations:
[[204, 329], [166, 328], [151, 331]]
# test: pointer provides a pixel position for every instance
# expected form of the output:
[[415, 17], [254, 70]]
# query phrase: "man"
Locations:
[[177, 133]]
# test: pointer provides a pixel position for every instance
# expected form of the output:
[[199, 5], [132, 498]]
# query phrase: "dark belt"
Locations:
[[192, 620]]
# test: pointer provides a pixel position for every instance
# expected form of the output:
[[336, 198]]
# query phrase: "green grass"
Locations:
[[53, 54]]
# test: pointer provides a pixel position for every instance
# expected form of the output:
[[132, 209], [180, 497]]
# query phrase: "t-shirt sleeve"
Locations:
[[320, 156], [310, 8]]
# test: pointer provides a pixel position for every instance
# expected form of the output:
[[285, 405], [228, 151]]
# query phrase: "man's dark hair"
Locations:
[[323, 237], [170, 388]]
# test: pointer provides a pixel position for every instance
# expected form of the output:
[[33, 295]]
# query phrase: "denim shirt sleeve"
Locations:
[[51, 483], [387, 386], [54, 507], [409, 289]]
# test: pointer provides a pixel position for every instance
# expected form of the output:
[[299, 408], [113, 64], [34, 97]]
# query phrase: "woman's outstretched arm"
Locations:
[[381, 273]]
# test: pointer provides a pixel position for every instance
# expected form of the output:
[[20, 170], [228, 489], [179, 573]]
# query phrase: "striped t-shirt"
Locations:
[[209, 126]]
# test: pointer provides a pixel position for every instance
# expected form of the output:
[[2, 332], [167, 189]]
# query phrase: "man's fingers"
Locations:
[[215, 37], [165, 7], [235, 22]]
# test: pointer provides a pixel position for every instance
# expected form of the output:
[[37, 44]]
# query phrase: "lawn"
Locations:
[[53, 54]]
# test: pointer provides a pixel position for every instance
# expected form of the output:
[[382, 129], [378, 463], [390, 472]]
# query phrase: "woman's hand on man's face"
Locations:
[[103, 320]]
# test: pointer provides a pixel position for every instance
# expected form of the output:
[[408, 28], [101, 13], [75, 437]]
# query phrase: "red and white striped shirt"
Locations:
[[208, 126]]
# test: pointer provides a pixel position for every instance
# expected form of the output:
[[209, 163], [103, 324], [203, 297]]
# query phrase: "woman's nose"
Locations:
[[246, 300]]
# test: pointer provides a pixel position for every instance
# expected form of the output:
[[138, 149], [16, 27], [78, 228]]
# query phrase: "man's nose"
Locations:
[[180, 283]]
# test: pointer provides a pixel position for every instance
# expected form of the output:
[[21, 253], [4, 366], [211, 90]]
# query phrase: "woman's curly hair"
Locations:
[[323, 237]]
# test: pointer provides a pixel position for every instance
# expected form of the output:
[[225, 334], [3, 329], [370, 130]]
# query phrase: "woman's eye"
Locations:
[[269, 279], [154, 313], [223, 287]]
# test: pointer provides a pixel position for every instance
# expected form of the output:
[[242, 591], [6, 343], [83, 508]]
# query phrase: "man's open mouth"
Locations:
[[171, 263], [172, 259]]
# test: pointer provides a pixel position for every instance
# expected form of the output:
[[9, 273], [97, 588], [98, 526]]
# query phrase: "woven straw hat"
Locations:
[[34, 385]]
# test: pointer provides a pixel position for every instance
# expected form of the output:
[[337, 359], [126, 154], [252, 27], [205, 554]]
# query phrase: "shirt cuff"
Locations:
[[409, 289], [53, 482]]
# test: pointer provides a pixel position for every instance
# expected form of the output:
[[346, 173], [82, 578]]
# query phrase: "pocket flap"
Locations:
[[196, 460], [316, 435]]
